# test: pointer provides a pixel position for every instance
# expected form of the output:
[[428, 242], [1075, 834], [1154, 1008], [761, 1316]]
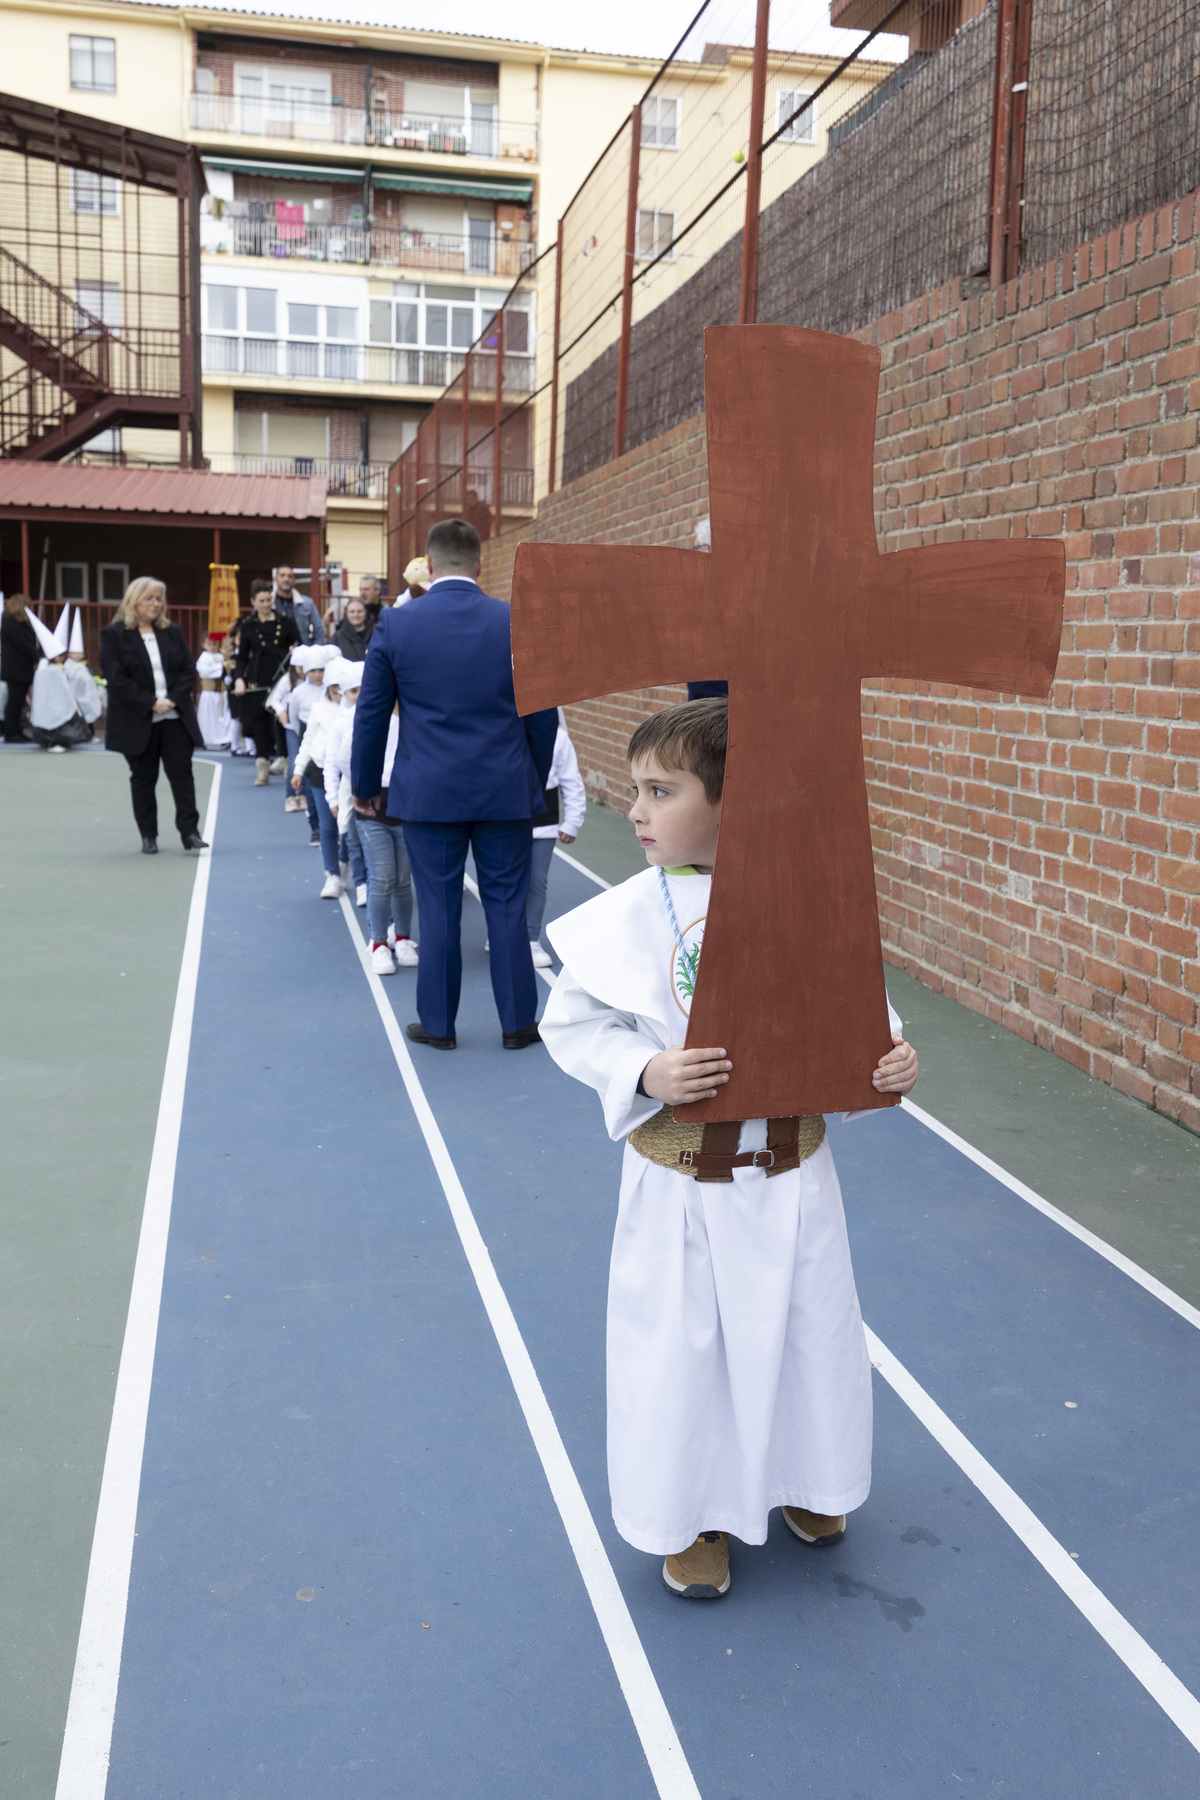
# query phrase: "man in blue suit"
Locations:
[[468, 772]]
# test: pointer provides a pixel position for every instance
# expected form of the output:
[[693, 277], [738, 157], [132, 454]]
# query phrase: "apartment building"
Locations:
[[372, 195]]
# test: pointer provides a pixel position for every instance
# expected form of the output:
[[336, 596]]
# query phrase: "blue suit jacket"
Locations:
[[463, 750]]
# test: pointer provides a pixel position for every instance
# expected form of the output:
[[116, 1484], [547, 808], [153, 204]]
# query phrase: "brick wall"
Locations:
[[1036, 862]]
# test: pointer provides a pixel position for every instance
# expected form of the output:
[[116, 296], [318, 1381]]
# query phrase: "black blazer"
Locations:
[[18, 650], [125, 665]]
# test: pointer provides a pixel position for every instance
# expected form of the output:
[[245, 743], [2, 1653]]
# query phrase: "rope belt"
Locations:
[[211, 684], [710, 1152]]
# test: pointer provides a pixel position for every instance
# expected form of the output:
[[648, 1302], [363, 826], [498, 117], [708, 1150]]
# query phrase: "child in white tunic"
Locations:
[[738, 1376], [212, 708]]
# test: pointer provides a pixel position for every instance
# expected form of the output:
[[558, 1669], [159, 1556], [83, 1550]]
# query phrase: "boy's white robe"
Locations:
[[83, 686], [738, 1376], [53, 701], [212, 708]]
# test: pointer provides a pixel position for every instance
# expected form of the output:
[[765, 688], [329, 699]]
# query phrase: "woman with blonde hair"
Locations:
[[151, 717]]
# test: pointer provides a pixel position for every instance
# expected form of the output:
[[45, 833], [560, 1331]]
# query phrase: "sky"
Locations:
[[632, 27]]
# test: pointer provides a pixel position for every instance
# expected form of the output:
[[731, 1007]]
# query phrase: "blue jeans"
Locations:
[[293, 744], [350, 849], [389, 879], [539, 871], [438, 854], [327, 826]]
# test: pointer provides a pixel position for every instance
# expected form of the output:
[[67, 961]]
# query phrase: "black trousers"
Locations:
[[171, 746], [261, 725], [17, 691]]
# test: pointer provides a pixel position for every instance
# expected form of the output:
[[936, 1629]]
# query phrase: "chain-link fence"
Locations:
[[1034, 125]]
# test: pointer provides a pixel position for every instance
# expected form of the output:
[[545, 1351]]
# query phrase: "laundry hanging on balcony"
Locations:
[[289, 220]]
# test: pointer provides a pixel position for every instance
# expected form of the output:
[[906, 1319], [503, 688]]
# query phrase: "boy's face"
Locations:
[[316, 676], [675, 821]]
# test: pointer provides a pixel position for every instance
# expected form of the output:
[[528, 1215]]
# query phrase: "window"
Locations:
[[462, 327], [94, 193], [655, 234], [341, 322], [260, 311], [71, 580], [381, 322], [94, 64], [479, 242], [660, 122], [802, 130], [206, 80], [99, 300], [222, 305], [112, 579], [302, 321], [436, 325]]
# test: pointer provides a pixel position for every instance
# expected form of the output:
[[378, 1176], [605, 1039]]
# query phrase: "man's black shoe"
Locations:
[[149, 846], [419, 1035], [517, 1040], [193, 841]]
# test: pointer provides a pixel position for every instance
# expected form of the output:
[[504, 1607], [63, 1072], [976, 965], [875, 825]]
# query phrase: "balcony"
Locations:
[[383, 365], [319, 122], [376, 247], [344, 479]]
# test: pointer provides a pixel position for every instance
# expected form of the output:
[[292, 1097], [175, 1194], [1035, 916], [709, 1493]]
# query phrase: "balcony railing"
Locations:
[[226, 354], [516, 488], [379, 247], [322, 122], [344, 477]]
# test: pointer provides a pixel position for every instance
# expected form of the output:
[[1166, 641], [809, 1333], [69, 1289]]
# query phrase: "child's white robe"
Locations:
[[738, 1376], [212, 708]]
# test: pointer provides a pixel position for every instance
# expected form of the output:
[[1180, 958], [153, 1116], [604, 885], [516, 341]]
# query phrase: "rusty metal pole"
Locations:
[[497, 462], [1002, 116], [558, 252], [216, 547], [25, 558], [184, 283], [631, 212], [748, 299], [1016, 160], [466, 447]]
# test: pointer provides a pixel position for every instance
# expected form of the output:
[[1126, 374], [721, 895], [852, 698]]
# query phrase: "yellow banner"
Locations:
[[223, 607]]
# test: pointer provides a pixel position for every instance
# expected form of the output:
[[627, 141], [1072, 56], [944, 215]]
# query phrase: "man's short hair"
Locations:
[[259, 587], [693, 737], [373, 579], [455, 543]]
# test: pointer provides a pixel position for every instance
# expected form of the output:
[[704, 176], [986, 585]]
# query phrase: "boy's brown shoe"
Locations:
[[821, 1529], [702, 1571]]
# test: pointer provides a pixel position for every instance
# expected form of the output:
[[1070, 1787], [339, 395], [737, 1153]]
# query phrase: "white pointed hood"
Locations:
[[46, 638], [77, 633]]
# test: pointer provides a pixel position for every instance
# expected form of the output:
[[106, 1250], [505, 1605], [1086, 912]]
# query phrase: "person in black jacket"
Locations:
[[353, 635], [151, 716], [18, 658], [264, 646]]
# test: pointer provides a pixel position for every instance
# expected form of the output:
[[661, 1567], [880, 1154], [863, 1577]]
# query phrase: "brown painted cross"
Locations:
[[795, 607]]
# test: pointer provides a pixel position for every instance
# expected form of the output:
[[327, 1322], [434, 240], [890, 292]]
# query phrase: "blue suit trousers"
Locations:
[[438, 853]]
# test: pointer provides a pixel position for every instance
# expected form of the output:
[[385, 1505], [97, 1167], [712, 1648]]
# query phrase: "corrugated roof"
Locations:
[[64, 486]]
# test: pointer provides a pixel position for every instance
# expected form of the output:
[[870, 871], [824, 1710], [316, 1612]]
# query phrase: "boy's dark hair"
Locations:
[[260, 587], [455, 543], [692, 737]]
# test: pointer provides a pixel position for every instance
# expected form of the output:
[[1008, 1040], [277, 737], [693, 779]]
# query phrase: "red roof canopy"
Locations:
[[196, 497]]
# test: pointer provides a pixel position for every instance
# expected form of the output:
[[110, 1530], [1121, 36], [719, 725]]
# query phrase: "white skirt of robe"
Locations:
[[212, 716], [738, 1374]]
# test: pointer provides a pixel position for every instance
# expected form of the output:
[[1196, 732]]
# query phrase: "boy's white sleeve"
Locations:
[[571, 789], [338, 736], [602, 1047], [293, 707]]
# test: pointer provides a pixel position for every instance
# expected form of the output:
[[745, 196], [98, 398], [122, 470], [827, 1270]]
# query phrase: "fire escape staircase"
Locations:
[[64, 349]]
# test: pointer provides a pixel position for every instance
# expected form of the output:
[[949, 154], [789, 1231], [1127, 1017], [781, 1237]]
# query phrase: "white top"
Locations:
[[321, 720], [301, 700], [442, 578], [150, 639], [564, 775], [209, 666]]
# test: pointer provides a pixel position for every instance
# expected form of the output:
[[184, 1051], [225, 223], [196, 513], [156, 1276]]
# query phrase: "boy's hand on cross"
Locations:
[[897, 1071], [680, 1076]]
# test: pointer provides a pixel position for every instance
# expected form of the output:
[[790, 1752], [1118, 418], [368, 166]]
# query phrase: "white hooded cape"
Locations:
[[738, 1376], [53, 700]]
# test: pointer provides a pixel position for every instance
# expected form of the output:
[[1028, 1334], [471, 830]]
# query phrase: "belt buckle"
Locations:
[[763, 1165]]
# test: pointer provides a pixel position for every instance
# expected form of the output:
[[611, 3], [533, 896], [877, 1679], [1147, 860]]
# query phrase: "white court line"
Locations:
[[664, 1753], [583, 869], [1127, 1266], [1163, 1686], [83, 1766]]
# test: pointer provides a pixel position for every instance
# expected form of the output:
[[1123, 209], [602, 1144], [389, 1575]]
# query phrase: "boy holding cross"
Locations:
[[738, 1377]]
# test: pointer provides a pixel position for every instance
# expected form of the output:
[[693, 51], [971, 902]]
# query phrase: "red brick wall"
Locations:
[[1036, 862]]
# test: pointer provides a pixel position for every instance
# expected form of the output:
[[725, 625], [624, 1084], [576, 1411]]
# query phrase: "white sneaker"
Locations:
[[344, 872], [58, 749], [279, 765], [406, 953], [360, 894], [381, 960], [542, 958], [487, 943], [332, 889], [391, 937]]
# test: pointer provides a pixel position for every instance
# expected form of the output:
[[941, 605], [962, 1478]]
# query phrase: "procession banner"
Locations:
[[223, 604]]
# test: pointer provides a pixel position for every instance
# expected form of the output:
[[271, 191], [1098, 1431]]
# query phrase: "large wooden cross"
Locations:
[[795, 606]]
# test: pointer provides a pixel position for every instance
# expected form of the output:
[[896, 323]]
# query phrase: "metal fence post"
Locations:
[[748, 299], [466, 430], [497, 465], [1008, 139], [635, 151]]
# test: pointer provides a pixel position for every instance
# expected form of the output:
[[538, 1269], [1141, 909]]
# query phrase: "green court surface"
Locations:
[[92, 933]]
